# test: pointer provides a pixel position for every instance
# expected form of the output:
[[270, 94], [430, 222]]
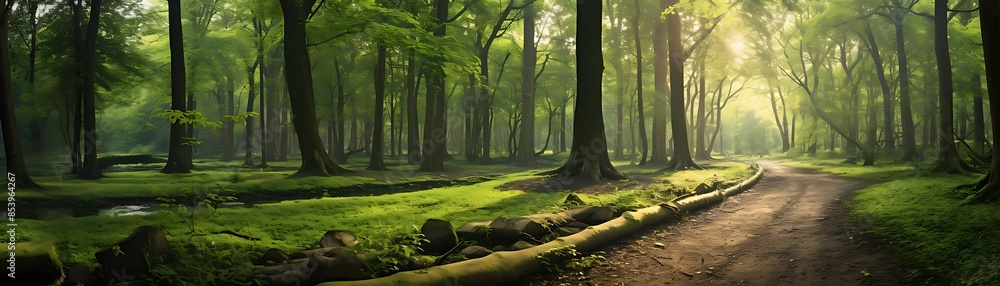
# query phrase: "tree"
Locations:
[[526, 148], [948, 158], [8, 122], [376, 161], [638, 79], [298, 73], [177, 156], [682, 152], [588, 158], [989, 18], [90, 169]]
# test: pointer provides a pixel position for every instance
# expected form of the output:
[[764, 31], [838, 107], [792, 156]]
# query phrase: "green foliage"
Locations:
[[202, 201], [390, 250], [203, 261], [568, 258]]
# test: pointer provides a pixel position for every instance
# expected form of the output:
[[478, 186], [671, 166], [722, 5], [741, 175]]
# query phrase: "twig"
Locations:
[[657, 261], [685, 273]]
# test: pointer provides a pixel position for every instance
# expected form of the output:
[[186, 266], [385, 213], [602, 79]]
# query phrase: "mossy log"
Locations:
[[511, 267]]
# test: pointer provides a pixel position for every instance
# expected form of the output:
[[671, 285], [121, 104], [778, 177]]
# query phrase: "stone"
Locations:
[[500, 248], [477, 232], [309, 252], [703, 189], [519, 245], [338, 238], [475, 251], [659, 245], [37, 264], [337, 265], [512, 229], [419, 262], [440, 236], [272, 256], [591, 215], [572, 200], [566, 231], [134, 254]]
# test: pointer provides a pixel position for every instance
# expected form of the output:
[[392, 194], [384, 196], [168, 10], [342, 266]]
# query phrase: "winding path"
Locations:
[[792, 228]]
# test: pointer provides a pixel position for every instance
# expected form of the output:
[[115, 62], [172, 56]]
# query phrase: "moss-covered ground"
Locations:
[[922, 216], [298, 224]]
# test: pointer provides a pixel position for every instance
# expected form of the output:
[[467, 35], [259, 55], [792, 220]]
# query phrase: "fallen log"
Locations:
[[511, 267]]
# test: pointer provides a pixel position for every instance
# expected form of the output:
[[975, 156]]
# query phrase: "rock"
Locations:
[[521, 245], [566, 231], [291, 278], [500, 248], [578, 224], [659, 245], [134, 254], [475, 251], [297, 264], [512, 229], [272, 256], [338, 238], [37, 264], [310, 252], [440, 236], [703, 189], [338, 265], [572, 200], [591, 215], [477, 231]]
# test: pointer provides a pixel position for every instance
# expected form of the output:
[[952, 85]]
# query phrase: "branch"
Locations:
[[703, 36]]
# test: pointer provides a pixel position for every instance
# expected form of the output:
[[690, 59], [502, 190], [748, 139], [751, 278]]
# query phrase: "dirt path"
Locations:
[[792, 228]]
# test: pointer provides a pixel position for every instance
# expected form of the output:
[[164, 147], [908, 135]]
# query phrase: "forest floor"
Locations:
[[791, 228]]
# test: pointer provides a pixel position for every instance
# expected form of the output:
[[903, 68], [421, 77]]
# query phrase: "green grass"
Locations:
[[298, 224], [937, 239]]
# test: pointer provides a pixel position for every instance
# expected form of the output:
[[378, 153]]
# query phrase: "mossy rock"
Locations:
[[34, 264]]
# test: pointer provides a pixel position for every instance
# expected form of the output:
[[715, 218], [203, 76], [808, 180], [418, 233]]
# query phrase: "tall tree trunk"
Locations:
[[412, 126], [228, 129], [887, 98], [17, 171], [176, 162], [978, 118], [338, 143], [435, 133], [75, 154], [990, 22], [588, 158], [315, 160], [948, 158], [905, 110], [248, 131], [376, 161], [639, 85], [682, 152], [283, 126], [661, 63], [91, 170], [701, 153], [526, 147]]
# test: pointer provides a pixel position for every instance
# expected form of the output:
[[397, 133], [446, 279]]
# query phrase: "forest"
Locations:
[[500, 142]]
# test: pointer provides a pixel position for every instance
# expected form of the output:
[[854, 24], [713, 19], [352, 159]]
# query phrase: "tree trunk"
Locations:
[[588, 158], [376, 161], [176, 162], [228, 130], [661, 62], [639, 86], [17, 171], [90, 170], [435, 133], [75, 154], [338, 143], [887, 98], [526, 147], [315, 160], [948, 158], [990, 23], [682, 152], [412, 126], [905, 110], [978, 118], [283, 148], [701, 153]]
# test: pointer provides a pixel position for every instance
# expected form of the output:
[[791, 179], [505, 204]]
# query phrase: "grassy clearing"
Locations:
[[298, 224], [920, 215]]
